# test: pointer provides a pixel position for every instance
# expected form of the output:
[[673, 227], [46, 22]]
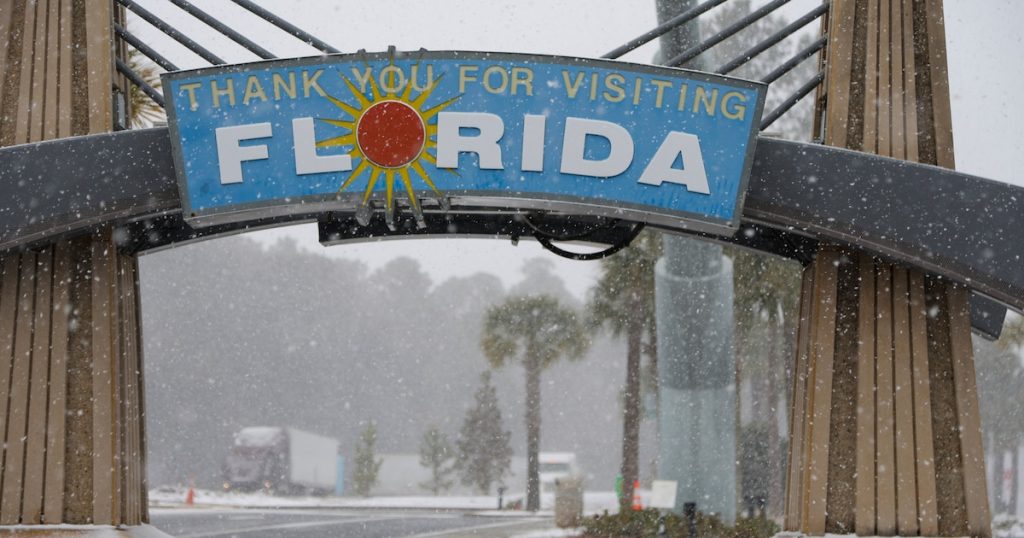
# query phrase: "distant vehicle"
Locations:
[[283, 460], [555, 465]]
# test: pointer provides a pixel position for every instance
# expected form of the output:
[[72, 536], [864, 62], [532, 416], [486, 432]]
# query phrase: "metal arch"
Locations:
[[943, 221]]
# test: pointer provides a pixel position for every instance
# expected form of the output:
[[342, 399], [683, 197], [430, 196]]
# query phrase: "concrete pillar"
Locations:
[[71, 403], [696, 363], [885, 433], [696, 376]]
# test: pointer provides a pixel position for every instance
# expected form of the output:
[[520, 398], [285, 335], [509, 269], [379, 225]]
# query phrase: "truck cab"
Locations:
[[258, 459]]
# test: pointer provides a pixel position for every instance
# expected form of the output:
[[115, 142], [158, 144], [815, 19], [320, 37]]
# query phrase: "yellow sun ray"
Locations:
[[343, 140], [374, 90], [363, 101], [426, 178], [409, 189], [427, 114], [389, 181], [355, 173], [350, 125], [422, 97], [354, 112], [433, 160], [349, 109], [413, 202], [371, 184], [408, 88]]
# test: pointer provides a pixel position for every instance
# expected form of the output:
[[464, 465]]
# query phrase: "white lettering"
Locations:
[[230, 154], [450, 142], [692, 175], [575, 141], [533, 143], [306, 159]]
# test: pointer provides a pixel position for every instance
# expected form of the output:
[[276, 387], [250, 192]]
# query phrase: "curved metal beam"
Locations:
[[943, 221]]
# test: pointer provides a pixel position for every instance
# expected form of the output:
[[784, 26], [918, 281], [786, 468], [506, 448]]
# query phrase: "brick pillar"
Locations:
[[885, 434], [71, 412]]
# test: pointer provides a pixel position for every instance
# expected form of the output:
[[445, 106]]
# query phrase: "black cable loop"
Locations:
[[545, 242]]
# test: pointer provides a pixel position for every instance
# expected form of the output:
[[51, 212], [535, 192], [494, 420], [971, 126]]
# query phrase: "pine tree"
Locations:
[[436, 454], [366, 465], [485, 448]]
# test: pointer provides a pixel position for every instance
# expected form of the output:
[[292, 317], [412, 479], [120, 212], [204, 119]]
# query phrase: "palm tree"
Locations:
[[623, 303], [143, 112], [538, 331]]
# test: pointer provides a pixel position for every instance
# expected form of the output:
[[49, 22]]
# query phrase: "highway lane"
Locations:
[[258, 523]]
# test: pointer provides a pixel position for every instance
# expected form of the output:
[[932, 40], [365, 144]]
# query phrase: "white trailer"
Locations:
[[313, 460], [285, 460]]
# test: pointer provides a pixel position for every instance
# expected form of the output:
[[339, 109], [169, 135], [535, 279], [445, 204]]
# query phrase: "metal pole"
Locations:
[[690, 513], [212, 22], [293, 30]]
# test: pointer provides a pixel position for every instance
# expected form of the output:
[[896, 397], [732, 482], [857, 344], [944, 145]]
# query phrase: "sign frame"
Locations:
[[468, 201]]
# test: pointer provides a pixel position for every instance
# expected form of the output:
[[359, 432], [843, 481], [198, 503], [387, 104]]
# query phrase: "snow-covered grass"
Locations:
[[550, 533], [1006, 526]]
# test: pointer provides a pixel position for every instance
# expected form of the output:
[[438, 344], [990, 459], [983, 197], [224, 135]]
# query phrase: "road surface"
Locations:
[[257, 523]]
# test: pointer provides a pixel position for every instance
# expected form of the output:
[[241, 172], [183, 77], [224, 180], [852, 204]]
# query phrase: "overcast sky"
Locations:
[[984, 44]]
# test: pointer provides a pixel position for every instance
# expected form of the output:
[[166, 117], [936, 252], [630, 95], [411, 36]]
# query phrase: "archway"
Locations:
[[795, 203]]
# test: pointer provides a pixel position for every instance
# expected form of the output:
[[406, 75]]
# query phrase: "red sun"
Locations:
[[390, 134]]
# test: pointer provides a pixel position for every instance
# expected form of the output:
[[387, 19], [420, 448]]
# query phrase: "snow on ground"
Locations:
[[1006, 526], [594, 502]]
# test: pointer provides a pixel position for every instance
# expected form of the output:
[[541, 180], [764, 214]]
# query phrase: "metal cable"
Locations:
[[773, 39], [153, 94], [792, 100], [212, 22], [663, 28], [288, 27], [548, 245], [145, 49], [726, 33], [797, 58], [172, 32]]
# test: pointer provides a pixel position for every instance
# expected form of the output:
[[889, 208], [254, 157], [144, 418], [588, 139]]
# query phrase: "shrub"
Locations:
[[645, 523]]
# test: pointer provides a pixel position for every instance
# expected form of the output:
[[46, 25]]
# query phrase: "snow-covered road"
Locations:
[[255, 523]]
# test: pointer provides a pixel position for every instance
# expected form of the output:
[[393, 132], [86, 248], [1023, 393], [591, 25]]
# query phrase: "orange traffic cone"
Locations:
[[190, 495], [637, 505]]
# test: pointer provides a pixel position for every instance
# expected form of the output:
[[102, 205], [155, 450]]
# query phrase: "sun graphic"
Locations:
[[389, 134]]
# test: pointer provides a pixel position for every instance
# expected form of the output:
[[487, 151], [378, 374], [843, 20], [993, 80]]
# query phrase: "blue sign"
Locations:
[[438, 131]]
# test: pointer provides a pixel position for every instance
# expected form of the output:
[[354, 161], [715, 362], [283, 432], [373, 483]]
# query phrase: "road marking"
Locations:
[[283, 526], [460, 530]]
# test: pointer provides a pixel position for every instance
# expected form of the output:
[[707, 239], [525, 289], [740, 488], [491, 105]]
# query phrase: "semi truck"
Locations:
[[282, 460]]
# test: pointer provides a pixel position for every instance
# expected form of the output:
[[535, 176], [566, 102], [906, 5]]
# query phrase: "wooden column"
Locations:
[[70, 361], [884, 364]]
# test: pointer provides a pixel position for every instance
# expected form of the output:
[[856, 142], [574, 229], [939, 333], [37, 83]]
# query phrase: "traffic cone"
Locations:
[[637, 505]]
